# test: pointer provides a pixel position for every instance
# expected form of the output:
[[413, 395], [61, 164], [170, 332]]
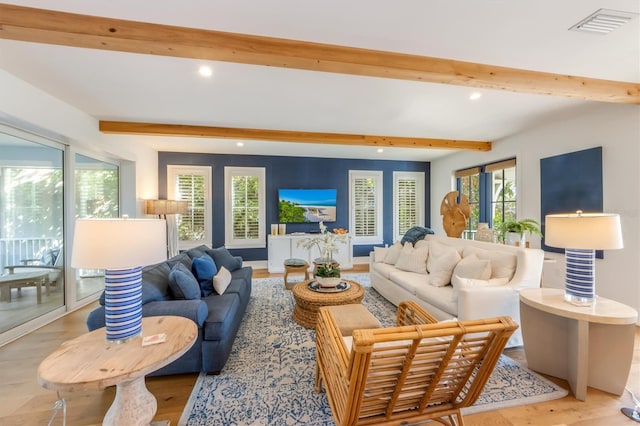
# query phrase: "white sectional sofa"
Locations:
[[456, 278]]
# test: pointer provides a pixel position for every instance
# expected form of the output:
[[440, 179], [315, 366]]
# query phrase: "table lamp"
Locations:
[[121, 247], [581, 234]]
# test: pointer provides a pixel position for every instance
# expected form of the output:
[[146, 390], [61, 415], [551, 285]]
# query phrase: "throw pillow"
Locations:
[[393, 254], [413, 259], [379, 253], [222, 257], [440, 263], [222, 280], [182, 283], [204, 269], [472, 267], [503, 264]]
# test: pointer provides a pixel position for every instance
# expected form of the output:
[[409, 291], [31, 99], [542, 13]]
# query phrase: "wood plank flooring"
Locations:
[[23, 402]]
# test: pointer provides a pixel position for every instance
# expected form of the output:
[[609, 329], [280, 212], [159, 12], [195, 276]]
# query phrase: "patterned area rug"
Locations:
[[269, 377]]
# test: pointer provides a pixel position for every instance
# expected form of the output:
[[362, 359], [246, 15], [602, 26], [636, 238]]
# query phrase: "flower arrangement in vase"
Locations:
[[328, 271], [328, 274]]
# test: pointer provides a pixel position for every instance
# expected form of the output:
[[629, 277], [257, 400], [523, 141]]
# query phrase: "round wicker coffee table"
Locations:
[[309, 301]]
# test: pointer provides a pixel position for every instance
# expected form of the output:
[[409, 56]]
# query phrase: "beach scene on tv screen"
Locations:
[[307, 205]]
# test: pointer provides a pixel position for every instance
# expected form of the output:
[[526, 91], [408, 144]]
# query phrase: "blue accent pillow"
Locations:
[[222, 257], [204, 268], [183, 284]]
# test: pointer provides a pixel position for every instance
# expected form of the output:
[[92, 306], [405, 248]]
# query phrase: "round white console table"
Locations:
[[587, 346]]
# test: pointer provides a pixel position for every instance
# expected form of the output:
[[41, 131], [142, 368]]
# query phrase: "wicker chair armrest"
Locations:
[[410, 313], [332, 355]]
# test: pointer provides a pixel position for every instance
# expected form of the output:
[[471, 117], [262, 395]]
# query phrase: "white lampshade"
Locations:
[[597, 231], [118, 243]]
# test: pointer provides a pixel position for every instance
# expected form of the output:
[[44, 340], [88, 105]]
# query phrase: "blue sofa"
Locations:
[[218, 316]]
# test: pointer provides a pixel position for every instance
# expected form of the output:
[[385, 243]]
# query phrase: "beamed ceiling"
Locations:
[[280, 86]]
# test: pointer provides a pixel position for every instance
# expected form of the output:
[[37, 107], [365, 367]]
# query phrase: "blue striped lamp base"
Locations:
[[123, 304], [580, 282]]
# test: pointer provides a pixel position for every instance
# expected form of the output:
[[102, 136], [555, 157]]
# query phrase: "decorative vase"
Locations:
[[328, 281]]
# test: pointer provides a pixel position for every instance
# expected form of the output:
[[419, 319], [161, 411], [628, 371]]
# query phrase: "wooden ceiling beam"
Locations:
[[159, 129], [60, 28]]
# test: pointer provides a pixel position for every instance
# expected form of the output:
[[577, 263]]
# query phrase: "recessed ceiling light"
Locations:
[[205, 71], [603, 21], [240, 144], [475, 95], [380, 150]]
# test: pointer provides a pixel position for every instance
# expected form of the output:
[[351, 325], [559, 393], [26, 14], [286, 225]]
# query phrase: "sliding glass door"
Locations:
[[32, 249]]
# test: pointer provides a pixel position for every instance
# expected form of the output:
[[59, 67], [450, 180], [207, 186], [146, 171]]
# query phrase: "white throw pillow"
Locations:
[[393, 254], [379, 253], [473, 267], [222, 280], [460, 283], [441, 261], [503, 264], [413, 259]]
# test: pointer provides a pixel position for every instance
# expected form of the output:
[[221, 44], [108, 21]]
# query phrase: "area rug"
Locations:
[[269, 377]]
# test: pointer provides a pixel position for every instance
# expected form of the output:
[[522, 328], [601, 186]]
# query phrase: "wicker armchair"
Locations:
[[419, 370]]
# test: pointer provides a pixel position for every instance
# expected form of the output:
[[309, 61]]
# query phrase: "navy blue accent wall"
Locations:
[[295, 172]]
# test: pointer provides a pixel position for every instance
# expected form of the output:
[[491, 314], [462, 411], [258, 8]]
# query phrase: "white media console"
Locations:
[[281, 247]]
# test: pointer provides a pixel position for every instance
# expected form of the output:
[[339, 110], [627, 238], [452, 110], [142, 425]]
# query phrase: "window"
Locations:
[[193, 184], [491, 190], [245, 207], [503, 191], [408, 202], [469, 185], [97, 196], [365, 195]]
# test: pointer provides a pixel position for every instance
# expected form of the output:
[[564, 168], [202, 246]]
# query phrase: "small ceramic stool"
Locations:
[[353, 317], [295, 265]]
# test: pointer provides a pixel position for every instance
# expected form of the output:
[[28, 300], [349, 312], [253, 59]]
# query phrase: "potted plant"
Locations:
[[514, 232], [328, 274]]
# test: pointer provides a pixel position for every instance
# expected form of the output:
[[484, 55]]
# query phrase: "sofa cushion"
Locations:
[[409, 281], [379, 253], [183, 284], [384, 269], [459, 283], [444, 298], [204, 269], [441, 261], [182, 258], [393, 254], [222, 257], [503, 265], [413, 259], [222, 280], [223, 315], [473, 267]]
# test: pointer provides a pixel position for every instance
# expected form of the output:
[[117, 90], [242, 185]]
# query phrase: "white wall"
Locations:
[[23, 105], [614, 127]]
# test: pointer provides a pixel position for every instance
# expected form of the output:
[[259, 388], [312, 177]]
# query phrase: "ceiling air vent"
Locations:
[[603, 21]]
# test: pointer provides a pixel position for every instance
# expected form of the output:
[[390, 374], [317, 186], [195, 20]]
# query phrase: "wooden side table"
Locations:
[[587, 346], [305, 311], [23, 279], [90, 362]]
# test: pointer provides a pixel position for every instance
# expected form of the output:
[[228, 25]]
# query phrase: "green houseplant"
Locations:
[[519, 227], [328, 274]]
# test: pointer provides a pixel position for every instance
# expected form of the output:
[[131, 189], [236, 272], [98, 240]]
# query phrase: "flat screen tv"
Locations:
[[307, 205]]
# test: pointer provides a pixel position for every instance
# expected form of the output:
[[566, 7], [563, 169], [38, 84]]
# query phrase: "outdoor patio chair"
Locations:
[[51, 261], [417, 371]]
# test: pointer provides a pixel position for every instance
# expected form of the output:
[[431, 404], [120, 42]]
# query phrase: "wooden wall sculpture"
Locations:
[[455, 216]]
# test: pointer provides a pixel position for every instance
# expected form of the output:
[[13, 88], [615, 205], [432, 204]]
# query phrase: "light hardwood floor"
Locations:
[[23, 402]]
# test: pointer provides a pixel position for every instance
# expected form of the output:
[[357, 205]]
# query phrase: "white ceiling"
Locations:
[[514, 33]]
